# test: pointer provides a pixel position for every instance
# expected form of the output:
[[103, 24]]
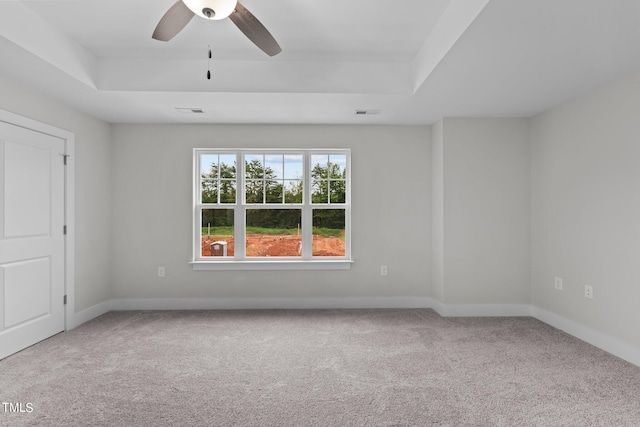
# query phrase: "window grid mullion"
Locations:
[[197, 245], [240, 209], [218, 178], [307, 223], [282, 179]]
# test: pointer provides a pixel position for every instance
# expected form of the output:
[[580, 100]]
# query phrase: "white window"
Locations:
[[271, 209]]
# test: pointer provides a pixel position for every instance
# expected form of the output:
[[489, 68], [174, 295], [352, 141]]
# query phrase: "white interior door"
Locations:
[[32, 242]]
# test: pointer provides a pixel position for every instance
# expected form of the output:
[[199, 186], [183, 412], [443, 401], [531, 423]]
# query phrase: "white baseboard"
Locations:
[[269, 303], [481, 310], [462, 310], [591, 336], [88, 314]]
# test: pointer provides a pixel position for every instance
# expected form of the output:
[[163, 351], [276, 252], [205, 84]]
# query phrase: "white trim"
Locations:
[[269, 303], [89, 314], [70, 238], [482, 310], [334, 264], [591, 336], [69, 138]]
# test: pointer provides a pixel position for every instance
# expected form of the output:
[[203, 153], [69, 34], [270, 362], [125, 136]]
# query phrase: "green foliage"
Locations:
[[293, 193], [272, 231], [274, 218], [328, 232], [328, 185], [221, 180], [262, 186], [217, 231], [329, 218], [217, 218]]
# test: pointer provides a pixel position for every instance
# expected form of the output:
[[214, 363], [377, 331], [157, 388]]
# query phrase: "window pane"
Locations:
[[254, 166], [293, 167], [328, 232], [209, 177], [227, 191], [293, 191], [273, 232], [319, 164], [273, 191], [337, 191], [337, 166], [209, 191], [254, 191], [217, 232], [274, 167], [207, 164], [320, 191], [218, 175], [328, 178], [228, 166]]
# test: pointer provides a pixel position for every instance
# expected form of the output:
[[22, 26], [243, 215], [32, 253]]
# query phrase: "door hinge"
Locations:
[[65, 300], [64, 158], [64, 230]]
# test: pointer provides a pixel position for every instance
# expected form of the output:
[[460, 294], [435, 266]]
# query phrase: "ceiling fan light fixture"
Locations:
[[221, 8], [180, 14]]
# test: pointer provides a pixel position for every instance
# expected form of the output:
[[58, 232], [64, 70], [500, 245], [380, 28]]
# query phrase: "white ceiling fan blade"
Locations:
[[176, 18], [254, 30]]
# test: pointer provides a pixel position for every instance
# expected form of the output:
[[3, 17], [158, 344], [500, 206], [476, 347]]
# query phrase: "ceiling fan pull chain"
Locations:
[[209, 47], [209, 65]]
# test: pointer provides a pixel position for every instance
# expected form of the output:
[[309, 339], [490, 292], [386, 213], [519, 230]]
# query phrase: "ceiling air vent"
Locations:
[[367, 112], [190, 110]]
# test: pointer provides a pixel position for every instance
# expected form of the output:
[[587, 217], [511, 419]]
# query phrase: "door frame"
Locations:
[[69, 202]]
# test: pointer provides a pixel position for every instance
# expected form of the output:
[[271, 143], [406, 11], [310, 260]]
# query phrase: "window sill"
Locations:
[[332, 264]]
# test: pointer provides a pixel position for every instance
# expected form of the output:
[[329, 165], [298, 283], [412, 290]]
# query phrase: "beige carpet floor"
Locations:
[[316, 368]]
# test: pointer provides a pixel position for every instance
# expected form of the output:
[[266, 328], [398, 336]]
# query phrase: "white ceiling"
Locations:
[[413, 60]]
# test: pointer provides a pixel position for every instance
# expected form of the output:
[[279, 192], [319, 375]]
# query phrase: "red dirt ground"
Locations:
[[269, 245]]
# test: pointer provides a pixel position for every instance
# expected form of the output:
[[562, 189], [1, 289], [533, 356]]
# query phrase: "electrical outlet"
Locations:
[[160, 271], [383, 270], [558, 282], [588, 292]]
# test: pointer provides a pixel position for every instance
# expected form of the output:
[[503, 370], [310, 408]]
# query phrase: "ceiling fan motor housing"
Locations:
[[211, 9]]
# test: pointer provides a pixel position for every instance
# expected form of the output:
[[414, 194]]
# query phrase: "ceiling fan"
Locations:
[[180, 14]]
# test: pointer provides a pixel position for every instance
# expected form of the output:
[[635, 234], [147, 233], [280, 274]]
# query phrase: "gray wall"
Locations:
[[152, 212], [484, 200], [93, 186], [586, 209]]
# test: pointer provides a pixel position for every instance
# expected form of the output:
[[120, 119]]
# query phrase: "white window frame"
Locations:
[[240, 261]]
